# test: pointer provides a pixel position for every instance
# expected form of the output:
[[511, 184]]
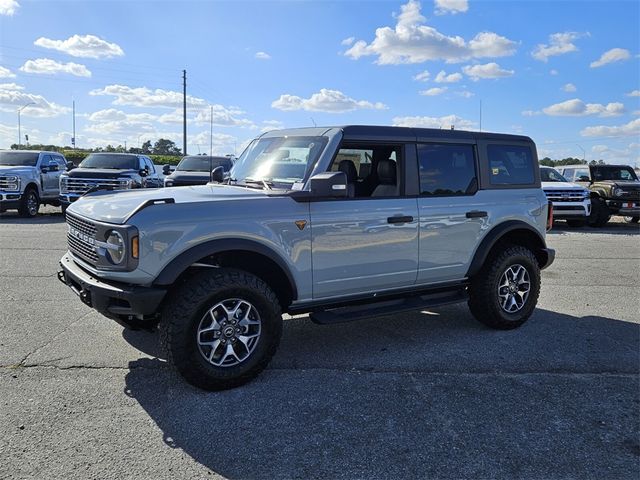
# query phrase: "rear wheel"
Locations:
[[600, 213], [505, 292], [221, 328], [29, 204], [631, 219]]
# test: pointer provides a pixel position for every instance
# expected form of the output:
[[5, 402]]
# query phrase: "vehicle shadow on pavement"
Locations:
[[421, 395], [46, 219]]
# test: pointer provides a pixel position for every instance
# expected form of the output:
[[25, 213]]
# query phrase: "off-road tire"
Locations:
[[184, 310], [600, 213], [631, 219], [483, 289], [24, 210], [576, 223]]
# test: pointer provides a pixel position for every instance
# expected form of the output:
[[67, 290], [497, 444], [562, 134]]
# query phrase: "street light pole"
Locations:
[[19, 129]]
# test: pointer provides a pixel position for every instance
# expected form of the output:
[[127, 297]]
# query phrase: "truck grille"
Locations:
[[564, 195], [80, 186], [81, 236], [630, 195], [9, 183]]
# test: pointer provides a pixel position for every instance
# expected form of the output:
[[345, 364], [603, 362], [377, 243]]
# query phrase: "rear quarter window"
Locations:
[[510, 165]]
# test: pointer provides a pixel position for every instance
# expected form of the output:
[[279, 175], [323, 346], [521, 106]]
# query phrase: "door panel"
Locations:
[[49, 180], [357, 249]]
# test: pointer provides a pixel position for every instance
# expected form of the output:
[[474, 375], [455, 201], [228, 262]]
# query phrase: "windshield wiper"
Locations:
[[265, 184]]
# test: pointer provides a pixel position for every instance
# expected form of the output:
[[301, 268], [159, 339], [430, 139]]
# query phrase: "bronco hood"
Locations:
[[99, 173], [118, 207]]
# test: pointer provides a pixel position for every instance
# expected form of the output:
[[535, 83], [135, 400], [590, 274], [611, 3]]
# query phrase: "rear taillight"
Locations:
[[549, 216]]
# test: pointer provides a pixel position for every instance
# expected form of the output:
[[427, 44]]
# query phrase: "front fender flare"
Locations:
[[178, 265]]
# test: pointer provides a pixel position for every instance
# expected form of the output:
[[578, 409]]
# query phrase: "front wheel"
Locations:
[[221, 328], [504, 293], [30, 203], [600, 214]]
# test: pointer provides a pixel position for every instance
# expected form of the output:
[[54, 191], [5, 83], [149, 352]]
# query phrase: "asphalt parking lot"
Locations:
[[426, 394]]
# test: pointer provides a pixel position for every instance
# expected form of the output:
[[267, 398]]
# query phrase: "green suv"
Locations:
[[615, 190]]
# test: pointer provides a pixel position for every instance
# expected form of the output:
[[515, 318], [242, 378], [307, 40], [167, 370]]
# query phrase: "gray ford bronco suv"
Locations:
[[338, 222]]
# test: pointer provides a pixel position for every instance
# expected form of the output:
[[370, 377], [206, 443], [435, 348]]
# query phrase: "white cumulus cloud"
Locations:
[[422, 76], [577, 108], [263, 56], [611, 56], [569, 87], [412, 41], [86, 46], [451, 6], [8, 7], [634, 93], [6, 73], [432, 92], [330, 101], [46, 66], [348, 41], [13, 96], [442, 77], [627, 130], [444, 122], [486, 71], [146, 97], [559, 44]]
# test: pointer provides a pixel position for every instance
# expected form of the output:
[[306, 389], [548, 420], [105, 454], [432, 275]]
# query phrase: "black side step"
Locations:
[[381, 308]]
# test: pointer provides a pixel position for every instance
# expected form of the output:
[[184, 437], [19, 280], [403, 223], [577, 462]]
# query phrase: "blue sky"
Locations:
[[565, 73]]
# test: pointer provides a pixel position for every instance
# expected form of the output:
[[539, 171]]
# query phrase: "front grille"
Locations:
[[80, 186], [9, 183], [77, 243], [564, 195], [630, 195]]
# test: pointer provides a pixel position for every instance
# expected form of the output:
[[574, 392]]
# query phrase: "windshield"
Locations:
[[203, 163], [613, 173], [110, 161], [278, 160], [550, 175], [22, 159]]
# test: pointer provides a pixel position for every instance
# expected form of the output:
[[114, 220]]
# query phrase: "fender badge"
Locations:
[[300, 224]]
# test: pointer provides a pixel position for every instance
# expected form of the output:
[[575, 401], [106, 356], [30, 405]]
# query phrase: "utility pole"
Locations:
[[19, 128], [73, 139], [184, 112], [210, 130]]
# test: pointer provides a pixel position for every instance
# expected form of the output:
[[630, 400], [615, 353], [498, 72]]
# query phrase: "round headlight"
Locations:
[[115, 247], [618, 191]]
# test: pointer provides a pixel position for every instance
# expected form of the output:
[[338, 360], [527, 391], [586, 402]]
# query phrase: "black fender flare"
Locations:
[[494, 235], [179, 265]]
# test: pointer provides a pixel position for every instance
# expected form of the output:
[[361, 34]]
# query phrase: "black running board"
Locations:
[[388, 307]]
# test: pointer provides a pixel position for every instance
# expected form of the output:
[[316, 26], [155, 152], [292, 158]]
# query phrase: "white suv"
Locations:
[[571, 202]]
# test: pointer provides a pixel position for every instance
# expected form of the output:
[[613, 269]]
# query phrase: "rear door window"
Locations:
[[510, 165], [447, 169]]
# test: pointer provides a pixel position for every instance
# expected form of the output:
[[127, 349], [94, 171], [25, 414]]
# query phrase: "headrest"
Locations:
[[349, 169], [387, 172]]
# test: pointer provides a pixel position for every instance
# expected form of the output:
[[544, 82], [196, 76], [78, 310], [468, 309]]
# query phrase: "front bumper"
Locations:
[[571, 209], [118, 301], [9, 200], [68, 199], [630, 208]]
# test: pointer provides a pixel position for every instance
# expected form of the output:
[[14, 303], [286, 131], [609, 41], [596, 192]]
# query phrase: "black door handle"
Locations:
[[404, 219], [476, 214]]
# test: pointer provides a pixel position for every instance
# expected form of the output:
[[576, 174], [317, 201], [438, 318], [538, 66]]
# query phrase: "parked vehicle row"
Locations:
[[30, 178], [580, 194]]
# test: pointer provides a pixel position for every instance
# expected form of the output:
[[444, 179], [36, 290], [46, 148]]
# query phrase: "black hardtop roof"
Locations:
[[120, 153], [388, 131], [586, 165]]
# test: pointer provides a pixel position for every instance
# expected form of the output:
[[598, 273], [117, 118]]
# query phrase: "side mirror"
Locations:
[[217, 175], [329, 184], [584, 178], [166, 169], [70, 165]]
